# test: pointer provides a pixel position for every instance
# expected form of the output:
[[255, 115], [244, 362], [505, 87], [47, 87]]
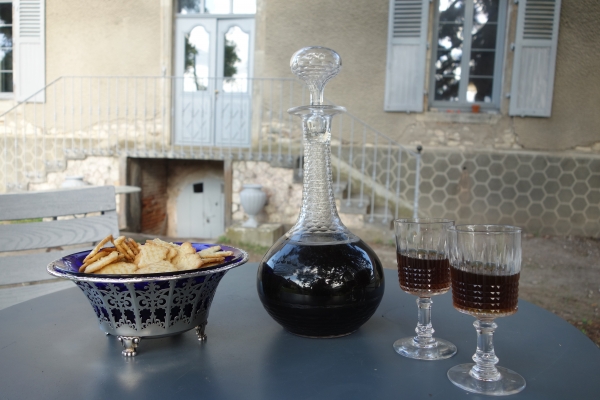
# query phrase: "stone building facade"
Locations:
[[488, 166]]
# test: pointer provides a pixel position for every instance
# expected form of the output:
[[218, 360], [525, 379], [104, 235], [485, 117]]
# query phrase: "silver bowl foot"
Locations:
[[130, 343], [200, 332]]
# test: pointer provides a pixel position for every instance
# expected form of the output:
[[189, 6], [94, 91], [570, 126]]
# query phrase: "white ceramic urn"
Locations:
[[253, 199], [73, 181]]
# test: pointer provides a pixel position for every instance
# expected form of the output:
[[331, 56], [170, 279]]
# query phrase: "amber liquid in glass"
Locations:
[[484, 295], [423, 276]]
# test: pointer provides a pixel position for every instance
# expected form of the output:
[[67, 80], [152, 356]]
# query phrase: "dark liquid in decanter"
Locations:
[[326, 290]]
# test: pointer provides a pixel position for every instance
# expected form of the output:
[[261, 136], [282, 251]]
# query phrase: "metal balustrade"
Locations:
[[200, 118]]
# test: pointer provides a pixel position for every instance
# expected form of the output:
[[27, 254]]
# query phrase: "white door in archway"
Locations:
[[201, 209], [213, 63]]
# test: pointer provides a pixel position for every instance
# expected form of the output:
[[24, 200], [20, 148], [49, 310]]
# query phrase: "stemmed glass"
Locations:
[[423, 271], [485, 267]]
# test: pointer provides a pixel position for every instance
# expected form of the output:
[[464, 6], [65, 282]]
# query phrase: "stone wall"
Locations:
[[545, 193], [96, 171], [284, 197]]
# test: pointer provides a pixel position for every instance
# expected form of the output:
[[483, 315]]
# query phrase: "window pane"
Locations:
[[217, 6], [235, 64], [244, 6], [482, 63], [6, 37], [459, 88], [452, 11], [448, 63], [480, 90], [6, 59], [5, 14], [195, 76], [447, 88], [189, 6], [485, 24], [6, 82], [485, 11]]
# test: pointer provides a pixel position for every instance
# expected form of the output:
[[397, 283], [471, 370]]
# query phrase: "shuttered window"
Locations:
[[535, 58], [467, 54], [30, 65], [407, 47]]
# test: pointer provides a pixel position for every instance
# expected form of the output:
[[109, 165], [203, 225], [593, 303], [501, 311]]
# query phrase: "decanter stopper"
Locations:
[[316, 66]]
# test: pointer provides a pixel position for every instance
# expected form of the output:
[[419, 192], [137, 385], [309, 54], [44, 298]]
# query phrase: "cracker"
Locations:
[[213, 259], [123, 249], [162, 243], [96, 257], [187, 248], [210, 250], [222, 254], [96, 249], [118, 268], [133, 245], [102, 262], [151, 253], [173, 252], [157, 267], [210, 264], [189, 261]]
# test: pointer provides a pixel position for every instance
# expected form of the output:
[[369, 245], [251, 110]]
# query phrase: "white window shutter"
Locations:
[[406, 54], [30, 50], [535, 58]]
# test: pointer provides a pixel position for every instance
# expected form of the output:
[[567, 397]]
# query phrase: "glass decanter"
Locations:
[[319, 279]]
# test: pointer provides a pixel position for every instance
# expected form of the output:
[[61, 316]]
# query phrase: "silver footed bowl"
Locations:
[[133, 307]]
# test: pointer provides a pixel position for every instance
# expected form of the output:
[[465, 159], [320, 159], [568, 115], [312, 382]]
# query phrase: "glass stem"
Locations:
[[424, 329], [485, 358]]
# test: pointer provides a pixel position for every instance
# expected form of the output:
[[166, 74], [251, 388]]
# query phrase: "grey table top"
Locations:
[[51, 348]]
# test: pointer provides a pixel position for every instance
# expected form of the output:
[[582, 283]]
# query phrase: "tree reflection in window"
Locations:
[[6, 48], [483, 46], [235, 62], [466, 28], [196, 67], [449, 50]]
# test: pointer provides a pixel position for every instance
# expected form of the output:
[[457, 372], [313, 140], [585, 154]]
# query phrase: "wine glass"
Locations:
[[485, 265], [423, 271]]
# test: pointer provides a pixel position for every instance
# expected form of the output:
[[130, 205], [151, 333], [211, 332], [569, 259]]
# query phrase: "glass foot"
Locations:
[[509, 383], [439, 350]]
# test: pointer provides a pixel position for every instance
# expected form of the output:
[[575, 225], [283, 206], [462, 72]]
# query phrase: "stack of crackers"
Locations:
[[155, 256]]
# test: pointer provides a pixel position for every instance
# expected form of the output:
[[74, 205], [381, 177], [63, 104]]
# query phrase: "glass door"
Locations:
[[194, 82], [213, 67]]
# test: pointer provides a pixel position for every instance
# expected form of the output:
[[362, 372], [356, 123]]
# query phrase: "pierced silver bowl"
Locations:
[[133, 307]]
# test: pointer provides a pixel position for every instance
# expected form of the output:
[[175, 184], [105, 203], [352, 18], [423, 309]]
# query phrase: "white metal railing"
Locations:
[[183, 117]]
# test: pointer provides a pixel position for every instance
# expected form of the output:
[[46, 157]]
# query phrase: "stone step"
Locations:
[[379, 218], [354, 205], [339, 190]]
